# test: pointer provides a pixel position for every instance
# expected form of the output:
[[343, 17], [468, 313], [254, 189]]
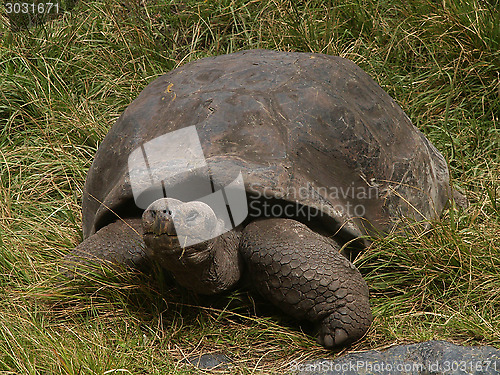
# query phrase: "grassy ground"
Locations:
[[62, 86]]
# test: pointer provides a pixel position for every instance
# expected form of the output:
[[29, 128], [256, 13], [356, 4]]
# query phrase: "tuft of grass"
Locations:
[[65, 82]]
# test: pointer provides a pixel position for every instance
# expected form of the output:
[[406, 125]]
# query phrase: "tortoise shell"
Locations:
[[306, 129]]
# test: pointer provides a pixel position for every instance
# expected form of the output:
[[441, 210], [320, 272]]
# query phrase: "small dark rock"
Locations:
[[426, 358], [209, 361]]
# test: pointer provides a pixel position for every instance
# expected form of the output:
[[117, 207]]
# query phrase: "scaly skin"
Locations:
[[304, 274], [117, 244], [295, 268]]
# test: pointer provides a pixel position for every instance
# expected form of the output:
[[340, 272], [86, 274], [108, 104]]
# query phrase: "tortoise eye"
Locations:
[[192, 215]]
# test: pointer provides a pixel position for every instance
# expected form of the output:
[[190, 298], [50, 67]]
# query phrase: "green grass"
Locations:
[[62, 86]]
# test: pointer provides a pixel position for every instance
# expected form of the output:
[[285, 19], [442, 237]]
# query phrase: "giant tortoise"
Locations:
[[273, 168]]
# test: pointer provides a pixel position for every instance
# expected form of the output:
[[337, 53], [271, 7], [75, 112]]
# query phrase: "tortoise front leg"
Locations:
[[304, 274], [117, 244]]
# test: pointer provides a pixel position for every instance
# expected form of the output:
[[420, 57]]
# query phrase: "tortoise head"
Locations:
[[172, 227]]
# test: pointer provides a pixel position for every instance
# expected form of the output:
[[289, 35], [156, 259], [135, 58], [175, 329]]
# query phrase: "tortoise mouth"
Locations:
[[164, 241], [155, 234], [165, 244]]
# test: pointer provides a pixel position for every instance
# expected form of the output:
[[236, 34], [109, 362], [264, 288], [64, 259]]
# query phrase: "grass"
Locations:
[[64, 83]]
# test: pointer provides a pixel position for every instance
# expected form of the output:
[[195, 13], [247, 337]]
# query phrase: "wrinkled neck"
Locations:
[[209, 267]]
